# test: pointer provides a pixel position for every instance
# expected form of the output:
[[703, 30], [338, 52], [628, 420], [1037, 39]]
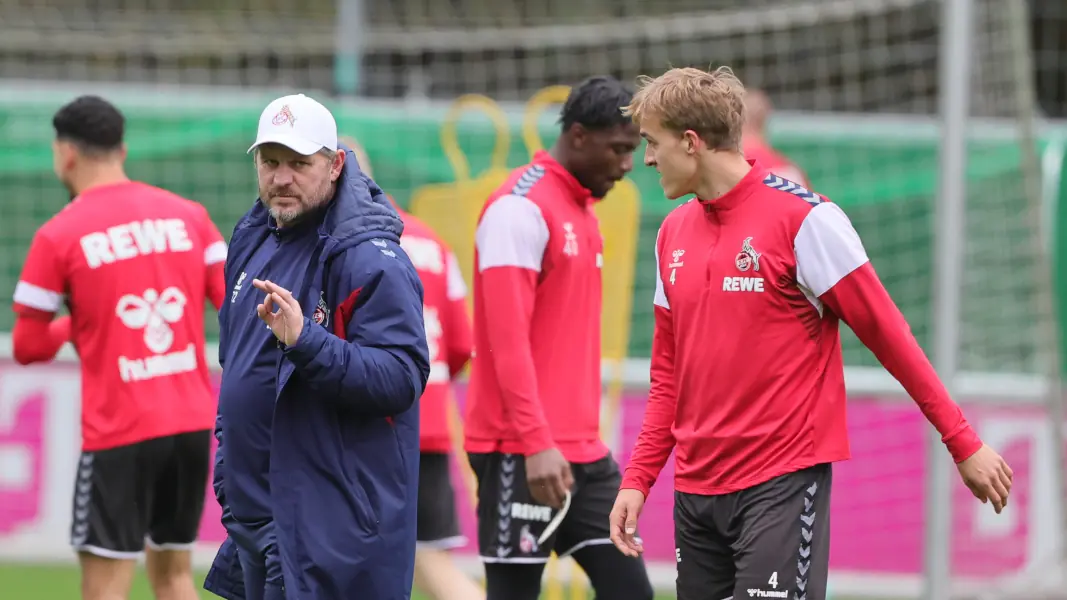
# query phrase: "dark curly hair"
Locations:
[[596, 104], [93, 124]]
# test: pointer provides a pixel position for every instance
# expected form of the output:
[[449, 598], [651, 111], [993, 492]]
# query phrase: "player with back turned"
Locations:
[[754, 276], [134, 265], [533, 408]]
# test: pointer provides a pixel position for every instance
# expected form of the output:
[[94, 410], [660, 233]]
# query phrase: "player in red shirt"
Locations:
[[753, 277], [448, 335], [133, 264], [754, 142], [533, 410]]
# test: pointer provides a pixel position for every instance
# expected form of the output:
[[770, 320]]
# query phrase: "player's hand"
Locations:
[[548, 475], [988, 477], [280, 311], [623, 522]]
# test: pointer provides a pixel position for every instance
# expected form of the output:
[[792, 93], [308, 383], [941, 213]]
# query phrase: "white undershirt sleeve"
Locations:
[[660, 298], [827, 249], [512, 233]]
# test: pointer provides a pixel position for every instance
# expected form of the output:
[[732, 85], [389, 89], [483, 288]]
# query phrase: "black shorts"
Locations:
[[510, 522], [768, 541], [437, 525], [151, 492]]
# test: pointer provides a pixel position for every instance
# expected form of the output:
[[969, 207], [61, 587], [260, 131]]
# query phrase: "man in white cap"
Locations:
[[317, 466]]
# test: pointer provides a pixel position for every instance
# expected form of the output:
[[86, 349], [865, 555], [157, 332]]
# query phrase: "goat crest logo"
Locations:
[[747, 258], [284, 116], [322, 311]]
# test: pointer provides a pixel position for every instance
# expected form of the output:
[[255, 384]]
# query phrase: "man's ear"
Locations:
[[691, 140], [578, 135], [67, 154], [338, 165]]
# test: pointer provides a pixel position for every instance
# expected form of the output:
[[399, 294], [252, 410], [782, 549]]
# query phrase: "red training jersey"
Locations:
[[758, 150], [535, 374], [133, 264], [747, 374], [448, 328]]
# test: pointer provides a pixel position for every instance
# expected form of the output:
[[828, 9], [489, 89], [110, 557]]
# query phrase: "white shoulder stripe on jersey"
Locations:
[[660, 297], [784, 185], [827, 249], [37, 297], [439, 373], [512, 233], [215, 253], [457, 288]]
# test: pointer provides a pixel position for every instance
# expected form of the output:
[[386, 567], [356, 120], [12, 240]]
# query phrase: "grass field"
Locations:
[[60, 582]]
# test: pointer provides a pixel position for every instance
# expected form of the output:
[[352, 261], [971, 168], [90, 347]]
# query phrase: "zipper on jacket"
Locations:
[[714, 234]]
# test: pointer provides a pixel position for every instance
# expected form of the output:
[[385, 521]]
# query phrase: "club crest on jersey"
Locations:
[[527, 540], [747, 258], [284, 116], [322, 311]]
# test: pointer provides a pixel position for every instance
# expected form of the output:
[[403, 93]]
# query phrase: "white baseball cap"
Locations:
[[297, 122]]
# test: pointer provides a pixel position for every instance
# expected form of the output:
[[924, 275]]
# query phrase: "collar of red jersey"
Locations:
[[740, 192], [580, 193]]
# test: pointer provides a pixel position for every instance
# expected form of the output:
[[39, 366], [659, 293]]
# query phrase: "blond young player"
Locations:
[[754, 277]]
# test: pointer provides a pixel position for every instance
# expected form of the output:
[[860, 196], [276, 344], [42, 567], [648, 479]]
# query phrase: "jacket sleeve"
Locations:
[[376, 360], [832, 266]]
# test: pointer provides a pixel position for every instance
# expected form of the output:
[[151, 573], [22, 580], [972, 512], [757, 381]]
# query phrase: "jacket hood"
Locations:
[[359, 210]]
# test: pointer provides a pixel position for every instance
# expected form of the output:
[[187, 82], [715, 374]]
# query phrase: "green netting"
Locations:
[[884, 174]]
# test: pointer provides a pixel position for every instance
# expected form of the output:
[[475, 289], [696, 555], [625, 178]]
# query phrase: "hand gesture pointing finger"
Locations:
[[280, 311]]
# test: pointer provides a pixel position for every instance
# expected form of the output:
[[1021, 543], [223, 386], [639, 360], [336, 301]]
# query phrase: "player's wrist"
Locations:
[[963, 444], [538, 441], [630, 483], [304, 338]]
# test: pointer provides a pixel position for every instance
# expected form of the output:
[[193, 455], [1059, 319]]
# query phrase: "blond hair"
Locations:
[[710, 104]]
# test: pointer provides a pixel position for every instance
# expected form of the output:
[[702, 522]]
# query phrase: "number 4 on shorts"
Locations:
[[773, 581]]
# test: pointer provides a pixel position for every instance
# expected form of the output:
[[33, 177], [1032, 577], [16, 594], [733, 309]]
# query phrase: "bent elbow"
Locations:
[[24, 355], [407, 396]]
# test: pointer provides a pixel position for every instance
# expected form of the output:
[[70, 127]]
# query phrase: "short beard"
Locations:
[[288, 217], [292, 216]]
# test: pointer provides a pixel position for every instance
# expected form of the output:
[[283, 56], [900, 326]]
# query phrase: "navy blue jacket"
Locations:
[[345, 438]]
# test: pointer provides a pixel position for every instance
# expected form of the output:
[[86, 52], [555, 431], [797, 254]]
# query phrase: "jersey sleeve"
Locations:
[[459, 339], [511, 239], [215, 251], [832, 267], [43, 282], [656, 439]]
